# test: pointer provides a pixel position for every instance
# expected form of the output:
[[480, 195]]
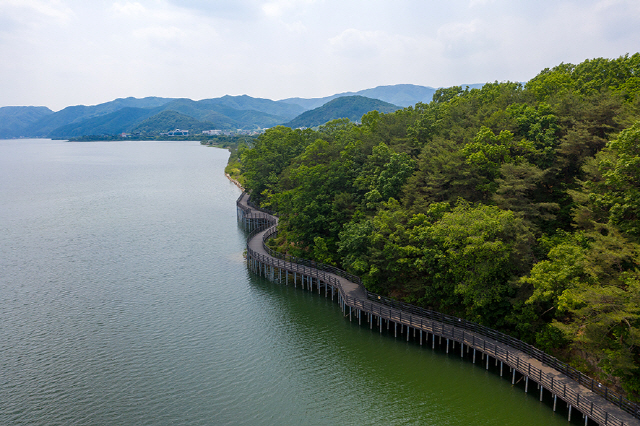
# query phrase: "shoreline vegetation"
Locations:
[[513, 206]]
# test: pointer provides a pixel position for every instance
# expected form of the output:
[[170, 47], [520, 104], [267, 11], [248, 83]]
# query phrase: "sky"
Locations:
[[58, 53]]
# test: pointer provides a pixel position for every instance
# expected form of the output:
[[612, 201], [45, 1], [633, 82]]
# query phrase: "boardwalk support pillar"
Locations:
[[265, 264]]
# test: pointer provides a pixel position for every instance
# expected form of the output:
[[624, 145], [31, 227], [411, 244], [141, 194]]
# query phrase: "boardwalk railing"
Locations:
[[500, 346], [588, 382]]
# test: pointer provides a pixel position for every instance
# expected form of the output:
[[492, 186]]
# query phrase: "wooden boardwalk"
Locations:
[[594, 402]]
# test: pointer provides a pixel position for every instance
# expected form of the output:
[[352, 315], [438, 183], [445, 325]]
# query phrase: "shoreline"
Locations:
[[235, 182]]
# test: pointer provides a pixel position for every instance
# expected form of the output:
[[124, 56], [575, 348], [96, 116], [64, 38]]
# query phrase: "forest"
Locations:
[[514, 206]]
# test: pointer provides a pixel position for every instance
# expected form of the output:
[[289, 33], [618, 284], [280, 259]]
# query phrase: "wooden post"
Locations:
[[555, 399], [513, 379], [526, 384]]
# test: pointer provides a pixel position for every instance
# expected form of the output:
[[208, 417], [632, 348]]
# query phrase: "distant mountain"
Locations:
[[403, 95], [126, 115], [109, 124], [351, 107], [267, 106], [170, 120], [15, 119], [224, 116], [225, 113], [46, 127]]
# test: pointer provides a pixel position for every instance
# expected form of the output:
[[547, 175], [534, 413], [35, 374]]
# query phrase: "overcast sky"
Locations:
[[58, 53]]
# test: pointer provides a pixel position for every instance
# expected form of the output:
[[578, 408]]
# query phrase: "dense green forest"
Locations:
[[515, 206]]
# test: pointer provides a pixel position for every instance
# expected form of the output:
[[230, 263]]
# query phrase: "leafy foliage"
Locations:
[[513, 206]]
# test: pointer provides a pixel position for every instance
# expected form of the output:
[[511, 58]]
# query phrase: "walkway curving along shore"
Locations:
[[595, 402]]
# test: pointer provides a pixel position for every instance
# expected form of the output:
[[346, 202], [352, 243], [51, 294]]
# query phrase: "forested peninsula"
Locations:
[[514, 206]]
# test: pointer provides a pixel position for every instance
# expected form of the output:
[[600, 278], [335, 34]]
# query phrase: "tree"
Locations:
[[616, 191], [269, 156]]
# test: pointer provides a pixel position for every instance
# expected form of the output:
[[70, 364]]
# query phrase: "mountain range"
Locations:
[[153, 115], [351, 107]]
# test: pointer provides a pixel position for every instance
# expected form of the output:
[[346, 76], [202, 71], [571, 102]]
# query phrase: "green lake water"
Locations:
[[125, 300]]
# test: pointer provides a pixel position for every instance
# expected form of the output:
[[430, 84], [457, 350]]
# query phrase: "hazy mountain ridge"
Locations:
[[49, 125], [15, 119], [224, 113], [115, 122], [169, 119], [403, 95], [351, 107]]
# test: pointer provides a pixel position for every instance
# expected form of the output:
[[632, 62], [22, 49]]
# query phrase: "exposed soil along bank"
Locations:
[[234, 181]]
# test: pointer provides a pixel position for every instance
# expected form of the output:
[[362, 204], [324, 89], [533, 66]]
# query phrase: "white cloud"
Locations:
[[37, 11], [357, 44], [278, 8], [129, 9], [475, 3], [77, 51], [460, 39]]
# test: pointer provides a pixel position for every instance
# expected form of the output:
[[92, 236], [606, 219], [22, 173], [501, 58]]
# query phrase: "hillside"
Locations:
[[514, 206], [109, 124], [169, 120], [47, 126], [403, 95], [226, 113], [351, 107], [267, 106], [14, 120], [128, 114]]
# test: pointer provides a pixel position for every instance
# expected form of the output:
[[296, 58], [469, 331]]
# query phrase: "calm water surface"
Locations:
[[125, 300]]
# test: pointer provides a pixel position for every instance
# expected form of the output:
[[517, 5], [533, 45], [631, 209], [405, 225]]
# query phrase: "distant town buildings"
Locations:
[[212, 132], [176, 132], [236, 132]]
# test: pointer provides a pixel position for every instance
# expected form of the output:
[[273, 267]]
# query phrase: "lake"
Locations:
[[125, 300]]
